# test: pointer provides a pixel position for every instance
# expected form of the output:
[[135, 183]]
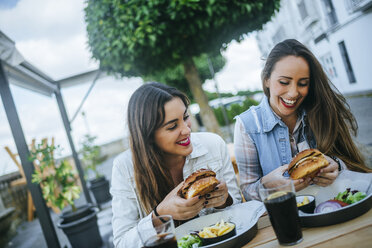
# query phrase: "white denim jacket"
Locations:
[[209, 151]]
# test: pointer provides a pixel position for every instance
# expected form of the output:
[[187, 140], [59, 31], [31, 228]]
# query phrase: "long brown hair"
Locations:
[[328, 113], [145, 115]]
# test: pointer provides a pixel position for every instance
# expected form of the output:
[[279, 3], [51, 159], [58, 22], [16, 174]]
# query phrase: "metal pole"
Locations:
[[224, 113], [42, 211], [66, 123], [85, 97]]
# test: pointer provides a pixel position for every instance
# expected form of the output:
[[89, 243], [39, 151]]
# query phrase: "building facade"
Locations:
[[338, 32]]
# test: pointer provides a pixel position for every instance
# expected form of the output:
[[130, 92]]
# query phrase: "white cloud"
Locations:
[[242, 70], [50, 34], [39, 19], [59, 59]]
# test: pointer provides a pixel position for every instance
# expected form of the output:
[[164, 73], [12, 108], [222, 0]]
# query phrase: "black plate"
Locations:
[[347, 179], [244, 216], [341, 215]]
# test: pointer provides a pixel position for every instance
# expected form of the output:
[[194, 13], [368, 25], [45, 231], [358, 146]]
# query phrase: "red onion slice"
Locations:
[[327, 206]]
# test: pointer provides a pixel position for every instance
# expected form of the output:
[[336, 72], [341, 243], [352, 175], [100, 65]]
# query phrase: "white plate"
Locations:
[[244, 215]]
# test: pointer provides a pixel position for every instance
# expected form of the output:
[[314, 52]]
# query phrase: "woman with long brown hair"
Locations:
[[301, 109], [146, 179]]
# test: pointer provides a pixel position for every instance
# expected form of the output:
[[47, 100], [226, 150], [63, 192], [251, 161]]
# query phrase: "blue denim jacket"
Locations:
[[271, 135]]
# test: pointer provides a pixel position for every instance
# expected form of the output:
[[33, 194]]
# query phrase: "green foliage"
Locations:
[[214, 95], [233, 110], [57, 180], [248, 103], [141, 37], [248, 93], [90, 154], [175, 76]]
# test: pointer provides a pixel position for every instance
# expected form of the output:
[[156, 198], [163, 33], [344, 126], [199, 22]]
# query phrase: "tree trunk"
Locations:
[[195, 84]]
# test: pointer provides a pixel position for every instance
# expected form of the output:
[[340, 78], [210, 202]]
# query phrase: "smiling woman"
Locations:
[[301, 109], [147, 179]]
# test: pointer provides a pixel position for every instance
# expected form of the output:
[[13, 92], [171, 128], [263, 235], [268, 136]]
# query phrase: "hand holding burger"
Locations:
[[313, 164], [307, 164], [201, 182], [180, 208], [204, 183], [200, 190]]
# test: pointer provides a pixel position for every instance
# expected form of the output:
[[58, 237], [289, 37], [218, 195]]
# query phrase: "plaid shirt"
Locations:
[[248, 161]]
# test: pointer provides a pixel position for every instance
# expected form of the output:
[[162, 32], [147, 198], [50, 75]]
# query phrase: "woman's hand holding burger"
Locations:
[[219, 197], [200, 190], [327, 175], [275, 178], [180, 208], [311, 165], [308, 166]]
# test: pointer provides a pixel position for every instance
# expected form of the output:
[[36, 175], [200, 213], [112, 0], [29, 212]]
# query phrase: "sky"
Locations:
[[51, 35]]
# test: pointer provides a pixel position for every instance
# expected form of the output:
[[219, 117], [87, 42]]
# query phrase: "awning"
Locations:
[[25, 75]]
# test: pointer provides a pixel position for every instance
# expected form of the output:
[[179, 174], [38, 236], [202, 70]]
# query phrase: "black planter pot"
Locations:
[[81, 227], [101, 190]]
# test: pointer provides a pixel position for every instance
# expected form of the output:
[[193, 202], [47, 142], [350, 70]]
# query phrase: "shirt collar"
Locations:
[[198, 149]]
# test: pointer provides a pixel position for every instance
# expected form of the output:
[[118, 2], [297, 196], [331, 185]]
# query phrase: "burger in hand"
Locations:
[[201, 182], [307, 164]]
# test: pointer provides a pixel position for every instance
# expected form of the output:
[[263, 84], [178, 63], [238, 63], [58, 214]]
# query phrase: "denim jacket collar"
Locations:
[[271, 119]]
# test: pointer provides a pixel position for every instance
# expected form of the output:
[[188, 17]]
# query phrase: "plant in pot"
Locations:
[[91, 157], [58, 182]]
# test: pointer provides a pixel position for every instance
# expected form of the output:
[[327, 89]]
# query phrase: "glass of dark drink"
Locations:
[[280, 201], [158, 232]]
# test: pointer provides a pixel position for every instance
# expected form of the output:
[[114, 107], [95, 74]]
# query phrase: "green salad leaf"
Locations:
[[188, 241], [350, 197], [355, 197]]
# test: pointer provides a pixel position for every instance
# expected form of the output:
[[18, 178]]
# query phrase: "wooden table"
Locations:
[[352, 233]]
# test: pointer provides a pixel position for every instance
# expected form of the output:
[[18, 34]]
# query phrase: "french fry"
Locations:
[[219, 229]]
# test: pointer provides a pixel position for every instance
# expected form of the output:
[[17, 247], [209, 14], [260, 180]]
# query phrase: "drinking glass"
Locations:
[[158, 232], [280, 202]]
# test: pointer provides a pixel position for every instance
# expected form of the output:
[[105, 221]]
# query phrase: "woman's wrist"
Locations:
[[229, 201], [337, 161], [156, 213]]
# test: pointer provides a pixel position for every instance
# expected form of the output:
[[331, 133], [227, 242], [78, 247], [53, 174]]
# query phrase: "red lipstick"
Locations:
[[185, 143]]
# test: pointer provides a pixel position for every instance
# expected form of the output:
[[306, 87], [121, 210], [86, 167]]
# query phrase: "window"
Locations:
[[330, 12], [347, 64], [302, 9], [328, 66], [357, 5]]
